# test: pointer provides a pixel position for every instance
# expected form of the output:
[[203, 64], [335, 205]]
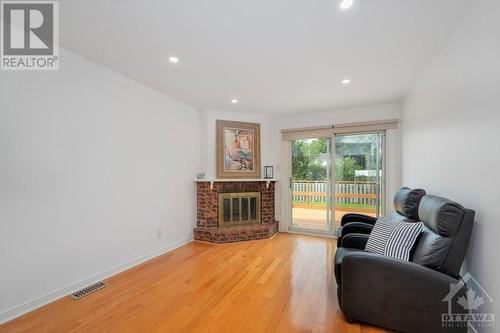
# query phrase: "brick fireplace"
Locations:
[[235, 210]]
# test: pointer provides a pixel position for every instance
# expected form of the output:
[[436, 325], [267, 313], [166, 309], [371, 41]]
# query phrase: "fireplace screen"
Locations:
[[239, 208]]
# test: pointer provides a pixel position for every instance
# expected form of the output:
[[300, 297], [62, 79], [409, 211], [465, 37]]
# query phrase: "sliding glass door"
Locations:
[[359, 174], [311, 184], [334, 176]]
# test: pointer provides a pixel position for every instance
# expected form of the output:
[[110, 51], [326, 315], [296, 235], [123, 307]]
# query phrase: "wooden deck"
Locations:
[[316, 219]]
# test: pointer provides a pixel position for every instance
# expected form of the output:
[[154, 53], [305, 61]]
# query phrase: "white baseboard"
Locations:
[[57, 294]]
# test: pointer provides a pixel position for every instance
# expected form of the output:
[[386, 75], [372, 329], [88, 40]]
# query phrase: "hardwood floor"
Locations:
[[285, 284]]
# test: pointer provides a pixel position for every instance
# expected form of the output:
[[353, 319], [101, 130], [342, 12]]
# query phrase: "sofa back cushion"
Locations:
[[407, 201], [441, 215], [431, 249], [443, 221], [396, 217]]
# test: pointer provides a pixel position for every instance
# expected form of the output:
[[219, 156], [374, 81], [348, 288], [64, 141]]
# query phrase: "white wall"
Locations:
[[271, 139], [340, 116], [92, 164], [208, 137], [450, 132]]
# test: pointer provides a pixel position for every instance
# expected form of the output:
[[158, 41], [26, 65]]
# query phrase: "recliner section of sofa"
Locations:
[[407, 296], [406, 203]]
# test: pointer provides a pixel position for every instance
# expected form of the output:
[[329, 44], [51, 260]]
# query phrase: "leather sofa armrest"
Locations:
[[356, 228], [395, 294], [353, 217], [355, 241]]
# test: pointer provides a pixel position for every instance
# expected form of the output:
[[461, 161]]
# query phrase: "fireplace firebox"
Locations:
[[239, 208], [232, 210]]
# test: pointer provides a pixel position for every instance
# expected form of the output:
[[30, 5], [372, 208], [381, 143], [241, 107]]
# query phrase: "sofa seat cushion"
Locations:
[[339, 256]]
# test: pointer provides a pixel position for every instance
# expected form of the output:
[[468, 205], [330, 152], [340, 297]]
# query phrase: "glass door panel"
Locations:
[[311, 184], [358, 174]]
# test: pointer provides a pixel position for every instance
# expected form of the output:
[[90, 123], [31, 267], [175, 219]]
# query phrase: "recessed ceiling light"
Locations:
[[345, 81], [346, 4], [173, 60], [234, 101]]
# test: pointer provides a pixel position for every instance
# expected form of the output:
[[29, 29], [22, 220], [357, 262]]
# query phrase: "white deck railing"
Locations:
[[345, 192]]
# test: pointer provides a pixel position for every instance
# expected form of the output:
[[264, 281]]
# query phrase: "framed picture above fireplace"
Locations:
[[238, 149]]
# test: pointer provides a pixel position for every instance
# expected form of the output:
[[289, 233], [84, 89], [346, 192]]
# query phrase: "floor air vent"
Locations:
[[88, 290]]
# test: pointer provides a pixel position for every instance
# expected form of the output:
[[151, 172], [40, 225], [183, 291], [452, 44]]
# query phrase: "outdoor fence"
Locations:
[[316, 194]]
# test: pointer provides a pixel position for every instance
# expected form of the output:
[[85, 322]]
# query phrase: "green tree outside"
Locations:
[[307, 164]]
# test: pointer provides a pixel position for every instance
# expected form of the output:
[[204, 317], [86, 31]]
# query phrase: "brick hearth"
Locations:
[[208, 212]]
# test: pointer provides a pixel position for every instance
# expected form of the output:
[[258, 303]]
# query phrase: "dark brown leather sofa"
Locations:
[[407, 296]]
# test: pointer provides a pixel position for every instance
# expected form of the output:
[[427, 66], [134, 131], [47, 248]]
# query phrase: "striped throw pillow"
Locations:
[[393, 239]]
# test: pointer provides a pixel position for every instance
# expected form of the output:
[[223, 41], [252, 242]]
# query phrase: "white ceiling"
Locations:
[[274, 56]]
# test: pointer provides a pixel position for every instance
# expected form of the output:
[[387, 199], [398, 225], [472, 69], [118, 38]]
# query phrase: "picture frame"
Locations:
[[238, 149]]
